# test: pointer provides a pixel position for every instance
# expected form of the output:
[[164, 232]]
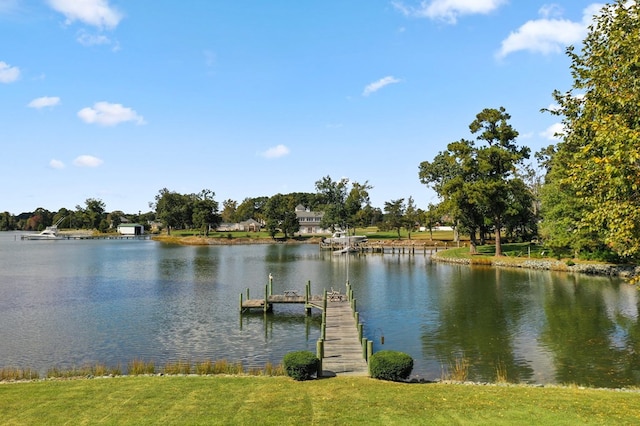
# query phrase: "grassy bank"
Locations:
[[280, 400]]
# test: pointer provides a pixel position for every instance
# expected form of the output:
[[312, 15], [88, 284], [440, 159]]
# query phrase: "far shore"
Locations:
[[627, 272]]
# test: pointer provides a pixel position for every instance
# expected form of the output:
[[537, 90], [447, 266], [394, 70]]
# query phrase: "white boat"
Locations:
[[342, 237], [50, 233]]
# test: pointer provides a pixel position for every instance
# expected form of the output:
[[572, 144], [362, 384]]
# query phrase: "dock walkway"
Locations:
[[343, 351], [342, 348]]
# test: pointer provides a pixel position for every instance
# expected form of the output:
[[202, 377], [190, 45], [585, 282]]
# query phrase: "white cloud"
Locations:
[[45, 101], [108, 114], [8, 74], [56, 164], [87, 39], [449, 10], [377, 85], [97, 13], [276, 151], [87, 161], [553, 132], [548, 35]]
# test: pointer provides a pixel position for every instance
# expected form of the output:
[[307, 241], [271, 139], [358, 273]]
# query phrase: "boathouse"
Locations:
[[130, 229]]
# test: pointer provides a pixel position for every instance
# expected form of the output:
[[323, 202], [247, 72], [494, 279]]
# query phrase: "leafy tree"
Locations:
[[333, 196], [341, 205], [356, 201], [430, 218], [7, 222], [229, 209], [205, 211], [394, 214], [94, 212], [172, 209], [479, 182], [411, 216], [280, 214], [251, 208], [597, 163]]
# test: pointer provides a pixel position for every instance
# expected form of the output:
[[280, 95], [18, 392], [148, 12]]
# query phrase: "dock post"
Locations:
[[319, 355], [360, 331], [323, 327], [266, 298], [324, 300], [240, 302], [270, 284], [364, 348], [369, 349], [356, 315], [248, 293], [353, 305], [307, 295]]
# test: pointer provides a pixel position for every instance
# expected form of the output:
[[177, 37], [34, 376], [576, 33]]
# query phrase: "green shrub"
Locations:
[[300, 365], [390, 365]]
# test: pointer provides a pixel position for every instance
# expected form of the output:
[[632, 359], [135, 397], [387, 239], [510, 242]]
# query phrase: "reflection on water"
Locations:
[[68, 303]]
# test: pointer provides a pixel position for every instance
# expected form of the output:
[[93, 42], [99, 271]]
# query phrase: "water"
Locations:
[[72, 303]]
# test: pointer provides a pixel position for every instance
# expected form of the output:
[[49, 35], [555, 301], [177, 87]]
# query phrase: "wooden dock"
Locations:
[[343, 353], [392, 248], [341, 347]]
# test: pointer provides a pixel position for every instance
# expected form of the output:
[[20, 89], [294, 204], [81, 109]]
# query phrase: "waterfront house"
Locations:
[[309, 220]]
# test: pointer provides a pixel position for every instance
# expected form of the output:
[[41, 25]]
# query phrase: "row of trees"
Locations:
[[92, 215]]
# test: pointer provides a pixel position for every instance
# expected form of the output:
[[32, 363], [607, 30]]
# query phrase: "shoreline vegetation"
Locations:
[[515, 255]]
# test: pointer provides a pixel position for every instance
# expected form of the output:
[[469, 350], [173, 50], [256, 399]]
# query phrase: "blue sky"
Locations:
[[117, 99]]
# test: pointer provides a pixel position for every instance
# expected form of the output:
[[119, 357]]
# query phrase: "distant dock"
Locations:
[[402, 247]]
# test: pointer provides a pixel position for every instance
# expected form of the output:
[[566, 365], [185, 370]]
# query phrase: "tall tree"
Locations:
[[342, 205], [333, 195], [355, 202], [205, 211], [229, 208], [598, 160], [411, 216], [172, 209], [394, 214], [478, 183], [280, 214]]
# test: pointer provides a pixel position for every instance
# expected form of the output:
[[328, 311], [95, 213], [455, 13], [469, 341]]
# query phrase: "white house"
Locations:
[[309, 220]]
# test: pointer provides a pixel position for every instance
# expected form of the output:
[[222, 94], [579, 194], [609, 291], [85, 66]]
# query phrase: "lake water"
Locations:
[[72, 303]]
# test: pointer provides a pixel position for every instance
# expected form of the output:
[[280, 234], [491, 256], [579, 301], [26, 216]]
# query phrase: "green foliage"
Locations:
[[343, 207], [390, 365], [394, 214], [279, 212], [300, 365], [478, 183], [597, 163]]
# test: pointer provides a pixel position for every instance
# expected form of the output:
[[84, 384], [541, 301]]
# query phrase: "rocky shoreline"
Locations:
[[604, 269]]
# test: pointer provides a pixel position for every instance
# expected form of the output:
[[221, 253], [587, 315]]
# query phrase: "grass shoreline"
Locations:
[[281, 400]]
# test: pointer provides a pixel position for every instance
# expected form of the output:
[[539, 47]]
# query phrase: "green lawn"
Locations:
[[282, 401]]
